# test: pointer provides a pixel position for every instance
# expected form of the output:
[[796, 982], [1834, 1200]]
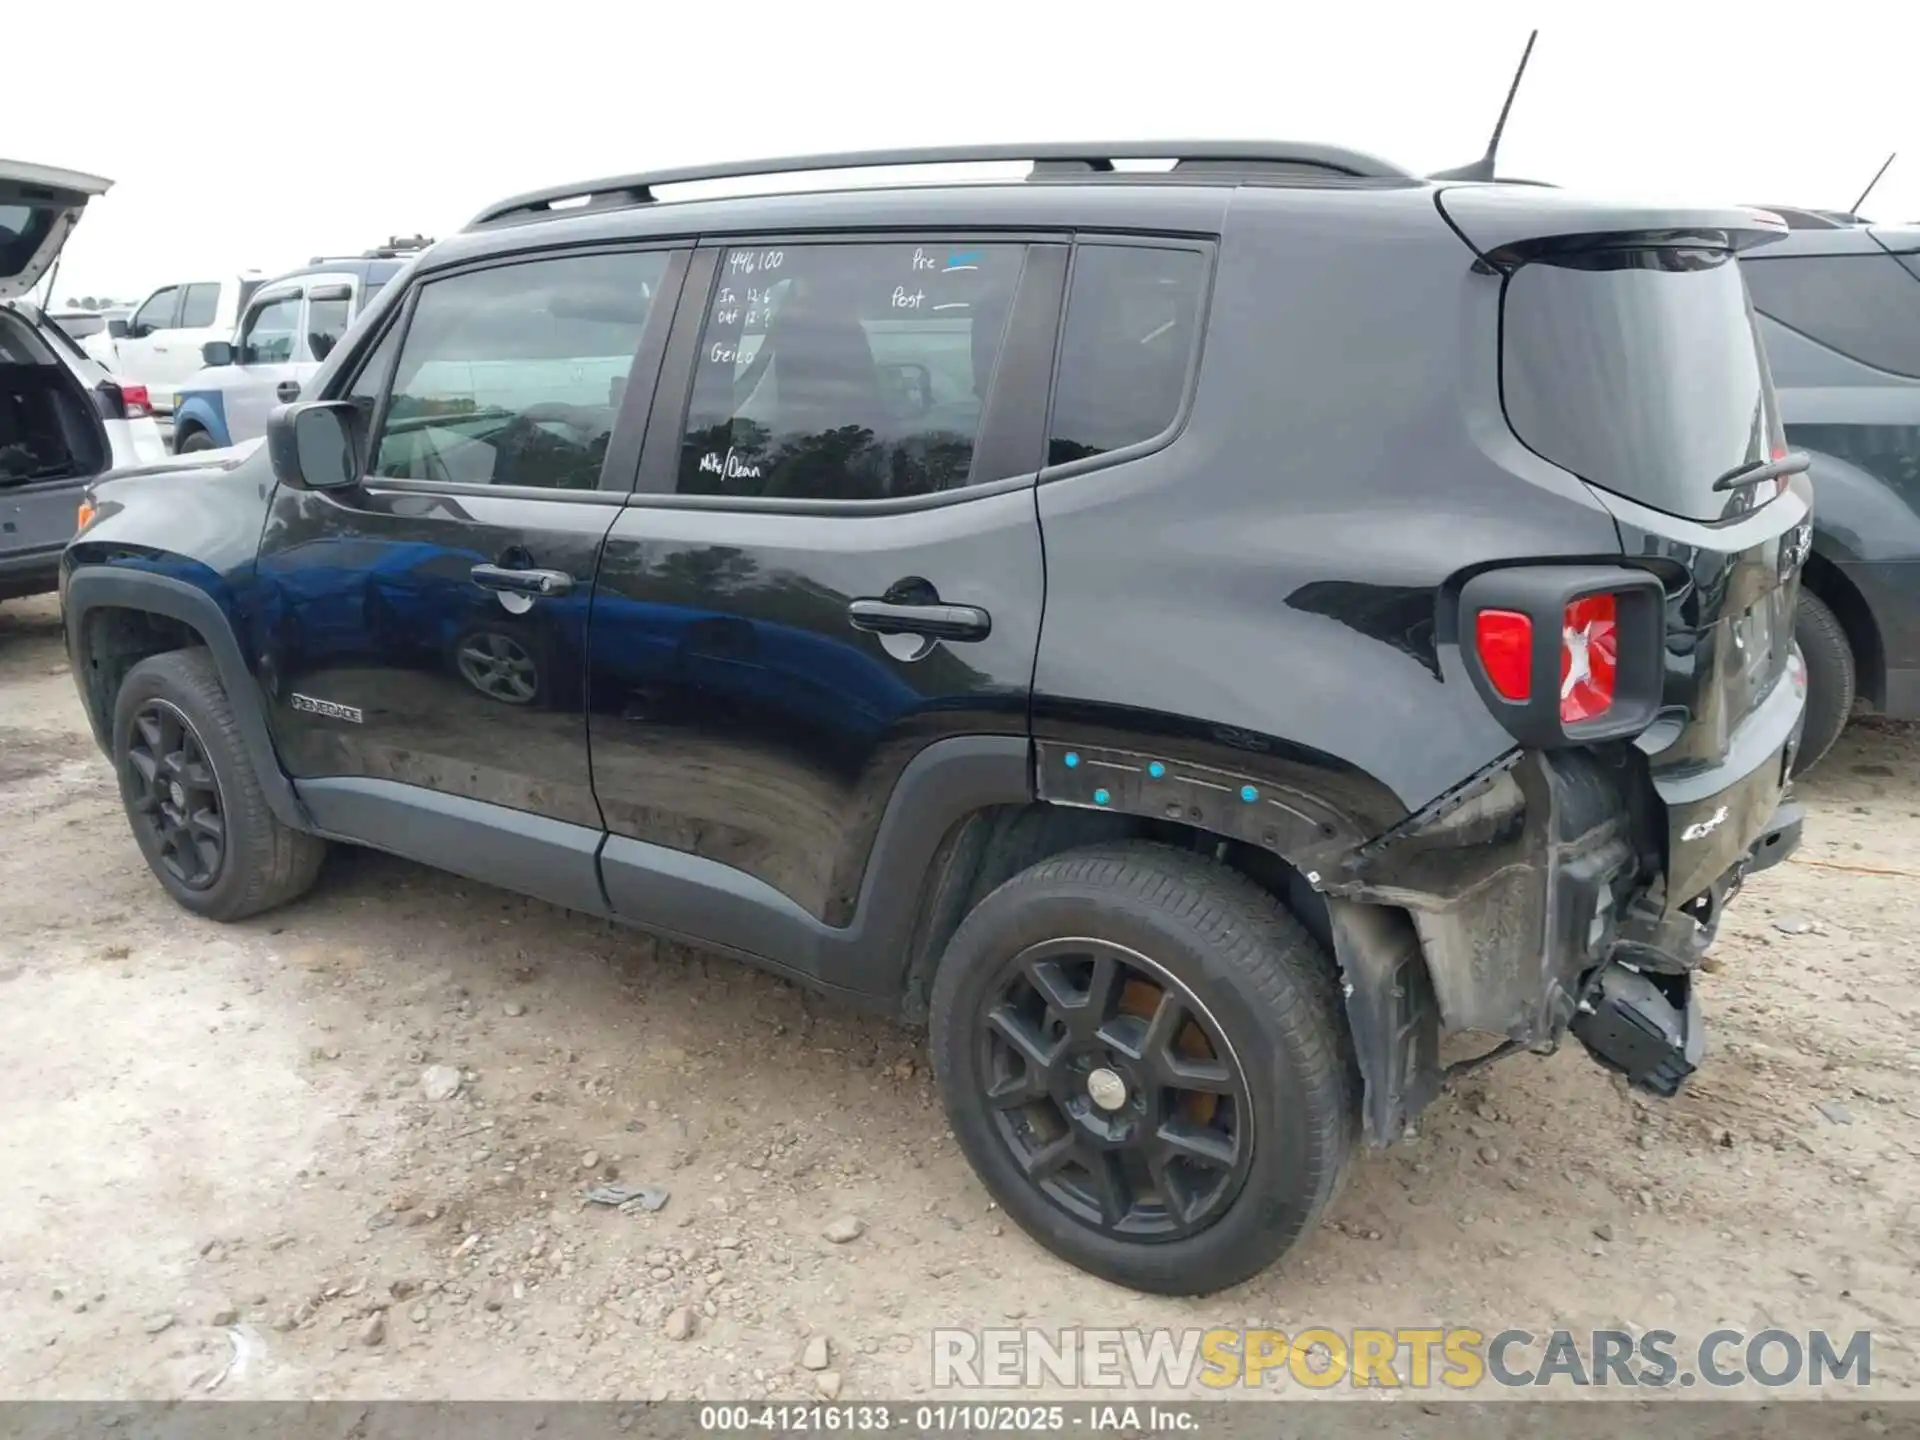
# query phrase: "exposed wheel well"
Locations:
[[989, 847], [1850, 608], [115, 639]]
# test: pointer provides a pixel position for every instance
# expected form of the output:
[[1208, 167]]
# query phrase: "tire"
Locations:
[[194, 440], [1261, 986], [173, 719], [1830, 679]]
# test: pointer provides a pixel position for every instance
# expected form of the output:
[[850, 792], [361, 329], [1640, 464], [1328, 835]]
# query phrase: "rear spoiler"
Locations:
[[1506, 226]]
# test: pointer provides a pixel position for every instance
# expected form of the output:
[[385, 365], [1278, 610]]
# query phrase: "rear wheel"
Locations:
[[1142, 1055], [1830, 678], [194, 440], [192, 798]]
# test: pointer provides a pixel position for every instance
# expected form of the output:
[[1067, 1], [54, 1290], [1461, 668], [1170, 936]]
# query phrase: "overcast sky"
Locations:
[[256, 135]]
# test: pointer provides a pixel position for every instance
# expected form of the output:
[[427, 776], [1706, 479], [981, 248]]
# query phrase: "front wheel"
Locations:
[[194, 440], [1142, 1055], [191, 795]]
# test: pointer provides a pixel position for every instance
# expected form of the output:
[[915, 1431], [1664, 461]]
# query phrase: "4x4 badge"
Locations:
[[1700, 829], [327, 708]]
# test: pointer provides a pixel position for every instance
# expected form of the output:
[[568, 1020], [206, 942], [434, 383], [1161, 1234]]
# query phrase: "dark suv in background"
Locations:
[[1839, 301], [1193, 637]]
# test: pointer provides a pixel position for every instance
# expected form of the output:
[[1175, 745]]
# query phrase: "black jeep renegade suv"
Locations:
[[1194, 636]]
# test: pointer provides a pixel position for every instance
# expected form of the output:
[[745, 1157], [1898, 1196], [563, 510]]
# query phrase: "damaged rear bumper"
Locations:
[[1640, 1016], [1572, 892]]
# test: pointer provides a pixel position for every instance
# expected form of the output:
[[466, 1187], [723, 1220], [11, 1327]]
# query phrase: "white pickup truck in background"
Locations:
[[159, 344]]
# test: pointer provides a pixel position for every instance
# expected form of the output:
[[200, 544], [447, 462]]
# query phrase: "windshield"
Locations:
[[1640, 370]]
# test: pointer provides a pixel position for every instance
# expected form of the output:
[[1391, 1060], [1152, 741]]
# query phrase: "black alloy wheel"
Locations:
[[1143, 1056], [173, 790], [1115, 1090]]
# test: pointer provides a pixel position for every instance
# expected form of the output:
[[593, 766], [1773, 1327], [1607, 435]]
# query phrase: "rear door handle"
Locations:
[[522, 582], [936, 622], [288, 390]]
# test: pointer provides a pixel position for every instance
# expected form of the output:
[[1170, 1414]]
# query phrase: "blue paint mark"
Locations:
[[1156, 769], [1072, 759], [1100, 797], [1249, 794], [963, 260]]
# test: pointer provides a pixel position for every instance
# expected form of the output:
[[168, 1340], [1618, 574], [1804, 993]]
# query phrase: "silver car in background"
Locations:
[[64, 418]]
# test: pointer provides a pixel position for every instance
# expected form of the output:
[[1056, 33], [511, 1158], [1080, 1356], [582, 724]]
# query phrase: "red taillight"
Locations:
[[1605, 626], [1589, 655], [1504, 640], [135, 402]]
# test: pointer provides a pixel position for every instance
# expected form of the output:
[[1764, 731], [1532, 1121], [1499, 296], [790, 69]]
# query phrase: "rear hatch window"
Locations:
[[23, 230], [1640, 370]]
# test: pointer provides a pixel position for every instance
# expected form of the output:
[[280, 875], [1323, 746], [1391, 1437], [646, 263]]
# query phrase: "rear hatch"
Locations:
[[1630, 356], [39, 206]]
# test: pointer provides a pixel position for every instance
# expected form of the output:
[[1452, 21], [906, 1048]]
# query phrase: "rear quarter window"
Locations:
[[1128, 347], [1866, 307]]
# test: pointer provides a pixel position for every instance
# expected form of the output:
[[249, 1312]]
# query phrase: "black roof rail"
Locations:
[[1051, 158]]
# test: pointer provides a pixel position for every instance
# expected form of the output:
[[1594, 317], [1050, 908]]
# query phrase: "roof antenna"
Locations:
[[1482, 169], [1854, 209]]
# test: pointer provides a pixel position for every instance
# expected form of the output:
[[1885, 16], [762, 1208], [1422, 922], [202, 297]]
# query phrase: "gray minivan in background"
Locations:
[[1839, 305]]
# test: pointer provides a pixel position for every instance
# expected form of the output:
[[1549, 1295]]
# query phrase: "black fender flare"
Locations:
[[93, 587]]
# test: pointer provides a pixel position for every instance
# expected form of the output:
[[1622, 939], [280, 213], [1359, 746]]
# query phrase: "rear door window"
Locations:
[[1128, 347], [847, 371], [199, 305], [1640, 370], [1867, 307]]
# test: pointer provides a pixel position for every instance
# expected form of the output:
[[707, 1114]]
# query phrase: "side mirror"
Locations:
[[118, 329], [311, 445], [217, 352]]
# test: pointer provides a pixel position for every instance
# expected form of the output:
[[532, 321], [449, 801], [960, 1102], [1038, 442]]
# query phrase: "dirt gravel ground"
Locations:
[[223, 1174]]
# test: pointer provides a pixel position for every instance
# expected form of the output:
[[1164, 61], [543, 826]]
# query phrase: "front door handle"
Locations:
[[522, 582], [936, 621], [288, 391]]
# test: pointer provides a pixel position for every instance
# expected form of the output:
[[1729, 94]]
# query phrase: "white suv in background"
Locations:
[[64, 420], [290, 325], [159, 344]]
